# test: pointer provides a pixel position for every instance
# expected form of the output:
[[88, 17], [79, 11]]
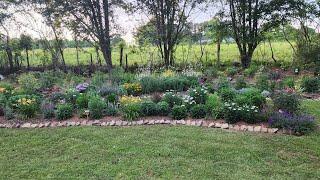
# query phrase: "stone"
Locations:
[[140, 122], [167, 122], [162, 121], [78, 123], [151, 122], [41, 125], [257, 129], [34, 125], [264, 130], [174, 122], [231, 126], [96, 123], [2, 126], [217, 125], [89, 123], [275, 130], [205, 124], [54, 124], [112, 123], [146, 122], [47, 124], [243, 128], [211, 125], [129, 123], [199, 123], [236, 128], [225, 126], [134, 123], [188, 123], [193, 123], [250, 128], [118, 123], [17, 125], [103, 124], [9, 126], [157, 121], [124, 123], [183, 122], [83, 123]]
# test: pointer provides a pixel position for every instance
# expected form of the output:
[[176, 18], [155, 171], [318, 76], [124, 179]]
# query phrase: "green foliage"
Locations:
[[223, 83], [227, 94], [311, 84], [251, 71], [131, 111], [199, 94], [214, 105], [64, 111], [163, 108], [112, 98], [47, 79], [251, 97], [148, 108], [98, 79], [71, 96], [240, 83], [263, 83], [289, 82], [198, 111], [96, 107], [47, 109], [6, 89], [28, 82], [179, 112], [234, 113], [9, 113], [231, 71], [25, 105], [172, 99], [82, 101], [156, 97], [108, 90], [286, 102], [111, 110]]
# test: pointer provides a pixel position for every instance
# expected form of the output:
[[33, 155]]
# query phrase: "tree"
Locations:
[[170, 18], [26, 44], [251, 19]]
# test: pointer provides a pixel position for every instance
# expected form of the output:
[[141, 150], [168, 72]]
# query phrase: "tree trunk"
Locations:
[[246, 59], [218, 52], [126, 69], [10, 58], [121, 56], [28, 62]]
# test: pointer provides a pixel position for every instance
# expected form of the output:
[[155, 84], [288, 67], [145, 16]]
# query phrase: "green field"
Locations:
[[157, 152], [184, 53]]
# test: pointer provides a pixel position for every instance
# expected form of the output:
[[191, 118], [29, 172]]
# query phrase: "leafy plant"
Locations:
[[214, 106], [287, 102], [64, 111], [98, 79], [234, 113], [240, 83], [251, 97], [133, 88], [148, 108], [198, 111], [47, 109], [29, 83], [179, 112], [25, 105], [82, 101], [163, 108], [131, 111], [96, 107], [311, 84], [227, 94], [199, 94], [172, 99], [263, 83]]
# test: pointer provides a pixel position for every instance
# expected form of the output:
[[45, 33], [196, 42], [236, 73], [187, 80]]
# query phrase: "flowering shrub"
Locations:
[[125, 100], [227, 94], [168, 73], [82, 101], [172, 99], [311, 84], [131, 111], [288, 102], [179, 112], [189, 101], [28, 82], [133, 88], [234, 113], [2, 90], [25, 105], [251, 97], [82, 87], [199, 94], [300, 124]]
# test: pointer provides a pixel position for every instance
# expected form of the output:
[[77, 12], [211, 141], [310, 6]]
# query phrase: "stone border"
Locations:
[[197, 123]]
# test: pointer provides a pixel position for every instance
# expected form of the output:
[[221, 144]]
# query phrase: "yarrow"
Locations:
[[235, 113]]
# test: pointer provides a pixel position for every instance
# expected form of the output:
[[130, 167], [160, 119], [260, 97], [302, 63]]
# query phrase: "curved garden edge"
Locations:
[[121, 123]]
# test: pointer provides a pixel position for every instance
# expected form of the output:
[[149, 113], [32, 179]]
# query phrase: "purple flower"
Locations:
[[82, 87]]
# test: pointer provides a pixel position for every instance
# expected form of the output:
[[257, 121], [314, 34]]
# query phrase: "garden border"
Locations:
[[120, 123]]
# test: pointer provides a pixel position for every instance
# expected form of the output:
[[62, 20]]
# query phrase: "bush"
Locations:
[[107, 90], [274, 75], [82, 101], [251, 97], [251, 71], [112, 98], [199, 95], [240, 83], [223, 83], [227, 94], [3, 103], [231, 71], [8, 113], [299, 124], [163, 108], [125, 100], [71, 96], [29, 83], [289, 82], [156, 97], [47, 80], [111, 110], [263, 83], [214, 106], [198, 111], [175, 83], [64, 111], [133, 88], [25, 105], [172, 99], [96, 107], [234, 113], [179, 112], [131, 111], [150, 85], [47, 109], [289, 103], [148, 108], [310, 84], [98, 79], [6, 89]]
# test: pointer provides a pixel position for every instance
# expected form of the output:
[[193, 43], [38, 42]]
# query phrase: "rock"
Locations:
[[217, 125], [274, 130], [2, 125], [225, 126], [83, 123], [257, 129], [103, 124], [96, 123], [193, 123], [167, 122], [250, 128], [205, 123], [54, 124], [151, 122], [134, 123], [78, 123], [146, 122], [211, 125], [243, 128], [34, 125], [118, 123], [47, 124], [89, 123], [162, 121], [183, 122], [112, 123], [188, 123], [9, 126], [174, 122], [124, 123], [140, 122], [129, 123], [1, 77], [264, 130], [41, 125], [236, 128], [157, 121], [17, 125]]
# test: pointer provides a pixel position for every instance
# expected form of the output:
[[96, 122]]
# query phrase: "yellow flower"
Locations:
[[2, 90], [125, 100], [168, 73]]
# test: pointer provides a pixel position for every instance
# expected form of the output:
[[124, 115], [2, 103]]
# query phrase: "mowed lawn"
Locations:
[[156, 152]]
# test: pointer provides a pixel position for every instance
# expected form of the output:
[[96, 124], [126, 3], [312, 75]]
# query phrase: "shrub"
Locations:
[[25, 105], [172, 99], [231, 71], [263, 83], [156, 97], [107, 90], [64, 111], [251, 97], [47, 109], [57, 97], [82, 87], [289, 82], [211, 72], [179, 112], [163, 108], [240, 83], [310, 84], [199, 95], [47, 80], [299, 124], [111, 110], [234, 113], [287, 102], [213, 106], [6, 89], [3, 103], [133, 88], [98, 79], [125, 100], [112, 98], [151, 84], [96, 107], [274, 75], [82, 101], [223, 83], [227, 94], [131, 111], [28, 82], [198, 111], [71, 96], [251, 71], [177, 83], [148, 108], [8, 113]]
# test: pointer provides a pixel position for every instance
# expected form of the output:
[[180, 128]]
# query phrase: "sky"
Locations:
[[32, 23]]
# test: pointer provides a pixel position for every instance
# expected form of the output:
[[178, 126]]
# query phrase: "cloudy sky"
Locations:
[[33, 24]]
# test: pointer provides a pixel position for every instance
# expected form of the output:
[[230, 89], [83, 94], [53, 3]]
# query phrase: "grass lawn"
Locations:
[[157, 152]]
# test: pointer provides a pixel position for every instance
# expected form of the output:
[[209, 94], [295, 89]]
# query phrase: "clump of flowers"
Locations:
[[2, 90], [125, 100], [82, 87], [298, 124], [234, 113], [25, 105], [133, 88], [189, 101], [168, 73], [199, 94]]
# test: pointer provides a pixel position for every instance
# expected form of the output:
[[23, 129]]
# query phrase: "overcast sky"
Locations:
[[33, 23]]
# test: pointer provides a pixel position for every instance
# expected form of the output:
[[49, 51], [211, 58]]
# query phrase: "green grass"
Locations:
[[312, 107], [184, 53], [157, 152]]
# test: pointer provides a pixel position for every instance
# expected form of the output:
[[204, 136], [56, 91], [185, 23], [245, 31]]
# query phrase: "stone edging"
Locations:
[[199, 123]]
